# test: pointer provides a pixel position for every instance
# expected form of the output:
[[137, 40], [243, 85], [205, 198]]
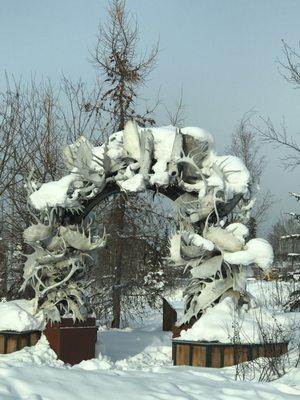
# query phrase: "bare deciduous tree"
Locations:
[[270, 134], [245, 146], [12, 122], [38, 138], [290, 70], [81, 112]]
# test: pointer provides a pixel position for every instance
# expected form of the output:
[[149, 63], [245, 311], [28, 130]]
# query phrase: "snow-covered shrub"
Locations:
[[272, 330]]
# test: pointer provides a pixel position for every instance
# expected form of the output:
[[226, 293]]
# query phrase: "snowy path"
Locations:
[[129, 346]]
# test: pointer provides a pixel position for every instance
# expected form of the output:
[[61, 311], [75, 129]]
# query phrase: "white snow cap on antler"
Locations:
[[256, 251]]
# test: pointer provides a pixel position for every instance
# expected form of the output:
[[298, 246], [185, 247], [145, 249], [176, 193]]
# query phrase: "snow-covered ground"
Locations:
[[132, 363]]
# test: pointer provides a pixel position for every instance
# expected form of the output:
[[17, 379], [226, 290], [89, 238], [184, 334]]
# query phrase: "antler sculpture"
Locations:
[[209, 187]]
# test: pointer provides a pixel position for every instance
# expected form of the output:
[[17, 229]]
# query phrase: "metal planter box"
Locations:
[[218, 355], [11, 341], [73, 342]]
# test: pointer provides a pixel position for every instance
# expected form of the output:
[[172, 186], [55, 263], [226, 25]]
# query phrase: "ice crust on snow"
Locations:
[[19, 315]]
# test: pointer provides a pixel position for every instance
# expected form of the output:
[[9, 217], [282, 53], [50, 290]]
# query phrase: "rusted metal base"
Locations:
[[169, 316], [11, 341], [176, 330], [218, 355], [73, 342]]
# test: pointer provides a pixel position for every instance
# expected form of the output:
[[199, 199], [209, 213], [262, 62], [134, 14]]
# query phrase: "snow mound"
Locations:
[[19, 315], [102, 362], [222, 322], [39, 355]]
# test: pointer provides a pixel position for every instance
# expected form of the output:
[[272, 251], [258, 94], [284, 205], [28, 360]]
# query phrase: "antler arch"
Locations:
[[182, 165]]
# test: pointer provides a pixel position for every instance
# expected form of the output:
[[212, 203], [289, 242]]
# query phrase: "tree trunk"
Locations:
[[3, 280], [116, 300], [117, 248]]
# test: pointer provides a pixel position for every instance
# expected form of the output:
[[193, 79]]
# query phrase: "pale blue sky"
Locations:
[[223, 52]]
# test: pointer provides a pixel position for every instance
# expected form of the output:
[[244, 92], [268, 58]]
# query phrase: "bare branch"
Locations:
[[291, 73], [291, 65], [280, 138], [177, 117]]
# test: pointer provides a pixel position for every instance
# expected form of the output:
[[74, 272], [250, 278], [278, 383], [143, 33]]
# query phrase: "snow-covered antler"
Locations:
[[31, 185], [194, 171], [176, 155], [79, 157], [40, 231], [75, 266], [147, 147], [80, 238]]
